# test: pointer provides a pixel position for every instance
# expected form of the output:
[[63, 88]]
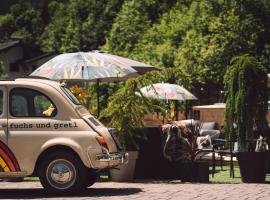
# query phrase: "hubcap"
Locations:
[[61, 174]]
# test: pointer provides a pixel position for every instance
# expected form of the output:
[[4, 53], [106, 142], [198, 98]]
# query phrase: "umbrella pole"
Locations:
[[186, 109], [98, 109], [87, 92], [176, 110]]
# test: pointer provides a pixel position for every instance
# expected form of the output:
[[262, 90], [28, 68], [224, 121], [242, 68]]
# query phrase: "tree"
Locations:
[[51, 38], [28, 22], [71, 39], [206, 56], [7, 26], [158, 46], [132, 21], [80, 25], [129, 26], [246, 105]]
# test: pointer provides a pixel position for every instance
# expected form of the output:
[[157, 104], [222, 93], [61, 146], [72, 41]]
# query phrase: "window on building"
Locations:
[[14, 67]]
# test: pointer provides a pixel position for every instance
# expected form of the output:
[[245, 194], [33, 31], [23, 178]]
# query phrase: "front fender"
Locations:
[[68, 143]]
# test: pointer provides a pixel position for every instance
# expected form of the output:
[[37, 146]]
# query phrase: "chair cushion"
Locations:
[[214, 134], [209, 125]]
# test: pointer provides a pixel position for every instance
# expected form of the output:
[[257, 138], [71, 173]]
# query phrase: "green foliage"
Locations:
[[246, 104], [132, 22], [77, 25], [28, 22], [201, 37], [80, 25], [159, 44], [127, 106], [198, 37], [207, 56], [129, 26], [3, 73], [7, 26], [51, 38]]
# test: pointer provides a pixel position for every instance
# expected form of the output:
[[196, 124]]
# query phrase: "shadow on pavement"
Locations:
[[90, 192]]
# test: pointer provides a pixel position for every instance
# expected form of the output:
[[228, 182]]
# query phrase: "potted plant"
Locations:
[[245, 114], [126, 172], [126, 112], [183, 147]]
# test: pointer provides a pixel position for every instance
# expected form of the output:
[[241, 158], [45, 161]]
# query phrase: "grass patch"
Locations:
[[223, 176], [31, 179]]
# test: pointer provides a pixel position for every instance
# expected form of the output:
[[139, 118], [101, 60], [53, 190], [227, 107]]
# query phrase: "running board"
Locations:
[[12, 174]]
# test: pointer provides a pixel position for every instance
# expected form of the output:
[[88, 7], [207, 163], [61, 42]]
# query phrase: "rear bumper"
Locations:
[[106, 159], [122, 157]]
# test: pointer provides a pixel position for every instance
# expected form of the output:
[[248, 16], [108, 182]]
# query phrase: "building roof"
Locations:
[[40, 57], [7, 45]]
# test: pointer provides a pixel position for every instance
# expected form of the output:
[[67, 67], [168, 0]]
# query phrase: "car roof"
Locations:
[[22, 81]]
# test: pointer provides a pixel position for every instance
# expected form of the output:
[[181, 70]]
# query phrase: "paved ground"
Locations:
[[144, 191]]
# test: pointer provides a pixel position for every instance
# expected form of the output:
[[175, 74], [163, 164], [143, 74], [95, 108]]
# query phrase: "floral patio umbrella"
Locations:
[[167, 91], [91, 66], [140, 67], [83, 66]]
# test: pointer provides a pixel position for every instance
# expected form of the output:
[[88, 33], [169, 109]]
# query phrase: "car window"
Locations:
[[19, 106], [71, 96], [30, 103], [42, 103]]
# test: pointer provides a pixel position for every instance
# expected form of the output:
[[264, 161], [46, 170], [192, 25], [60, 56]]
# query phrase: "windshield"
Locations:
[[71, 96]]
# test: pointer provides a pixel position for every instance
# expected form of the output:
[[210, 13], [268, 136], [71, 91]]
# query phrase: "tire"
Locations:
[[62, 172]]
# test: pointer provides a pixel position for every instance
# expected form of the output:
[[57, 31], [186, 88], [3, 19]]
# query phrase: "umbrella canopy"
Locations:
[[83, 66], [91, 66], [167, 91], [140, 67]]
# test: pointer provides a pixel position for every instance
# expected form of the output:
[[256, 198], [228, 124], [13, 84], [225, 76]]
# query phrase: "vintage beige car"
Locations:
[[46, 132]]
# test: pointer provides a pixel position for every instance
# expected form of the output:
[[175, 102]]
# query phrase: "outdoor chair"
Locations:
[[224, 147], [210, 128]]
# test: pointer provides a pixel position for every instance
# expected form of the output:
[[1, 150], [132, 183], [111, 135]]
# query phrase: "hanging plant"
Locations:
[[246, 105]]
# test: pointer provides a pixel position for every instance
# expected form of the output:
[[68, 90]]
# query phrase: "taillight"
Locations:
[[101, 141]]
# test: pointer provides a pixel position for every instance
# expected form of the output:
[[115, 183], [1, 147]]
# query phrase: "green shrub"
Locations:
[[246, 105]]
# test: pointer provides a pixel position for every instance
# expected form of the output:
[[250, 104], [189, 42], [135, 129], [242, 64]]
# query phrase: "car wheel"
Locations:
[[62, 172]]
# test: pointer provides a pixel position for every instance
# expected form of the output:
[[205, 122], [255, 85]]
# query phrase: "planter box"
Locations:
[[253, 166], [125, 172], [197, 171], [150, 163]]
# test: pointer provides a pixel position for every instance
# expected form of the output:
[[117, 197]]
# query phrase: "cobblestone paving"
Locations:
[[143, 191]]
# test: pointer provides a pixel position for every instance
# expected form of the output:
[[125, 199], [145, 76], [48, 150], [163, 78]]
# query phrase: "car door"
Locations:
[[31, 118]]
